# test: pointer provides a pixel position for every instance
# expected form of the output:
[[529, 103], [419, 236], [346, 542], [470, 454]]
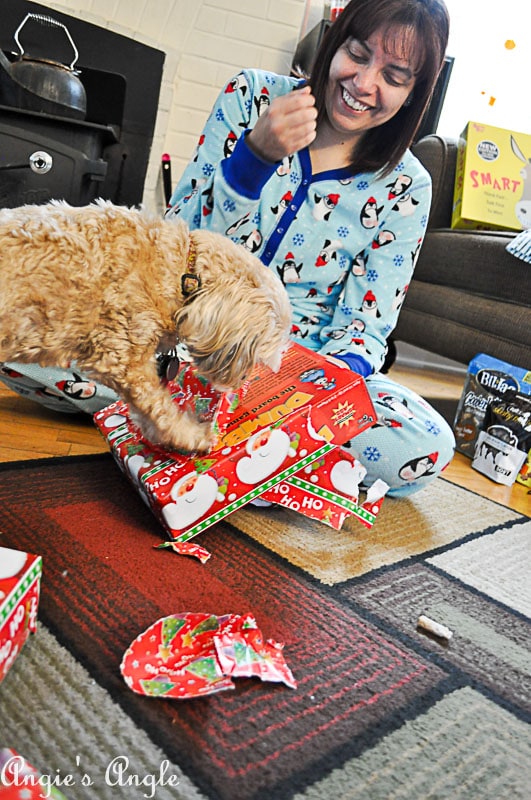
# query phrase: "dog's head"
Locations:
[[240, 317]]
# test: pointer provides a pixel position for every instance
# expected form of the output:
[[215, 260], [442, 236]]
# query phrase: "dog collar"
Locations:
[[190, 281]]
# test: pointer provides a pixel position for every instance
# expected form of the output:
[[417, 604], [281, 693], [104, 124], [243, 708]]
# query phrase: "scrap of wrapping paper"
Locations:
[[194, 654], [186, 549], [19, 780]]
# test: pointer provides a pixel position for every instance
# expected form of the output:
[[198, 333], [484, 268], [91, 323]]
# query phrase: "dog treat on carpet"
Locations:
[[436, 628]]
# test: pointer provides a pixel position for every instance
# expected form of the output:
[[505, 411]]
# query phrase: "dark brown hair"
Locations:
[[425, 26]]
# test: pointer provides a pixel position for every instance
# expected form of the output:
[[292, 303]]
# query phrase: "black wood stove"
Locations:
[[73, 133]]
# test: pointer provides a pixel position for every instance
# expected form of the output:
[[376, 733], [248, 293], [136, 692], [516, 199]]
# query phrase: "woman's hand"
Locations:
[[288, 125]]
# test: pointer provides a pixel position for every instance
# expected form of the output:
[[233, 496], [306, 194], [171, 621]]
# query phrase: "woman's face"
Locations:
[[367, 83]]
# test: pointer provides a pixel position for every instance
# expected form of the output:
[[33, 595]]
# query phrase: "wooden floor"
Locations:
[[27, 430]]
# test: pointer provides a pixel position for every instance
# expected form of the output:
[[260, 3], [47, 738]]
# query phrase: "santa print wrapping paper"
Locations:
[[19, 780], [279, 424], [20, 575], [328, 490]]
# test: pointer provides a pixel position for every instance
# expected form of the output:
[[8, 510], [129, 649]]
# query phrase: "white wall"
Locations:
[[205, 41], [490, 80]]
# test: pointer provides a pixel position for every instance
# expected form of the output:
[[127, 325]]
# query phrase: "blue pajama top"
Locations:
[[344, 245]]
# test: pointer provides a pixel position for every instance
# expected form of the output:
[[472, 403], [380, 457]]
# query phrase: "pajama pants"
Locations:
[[407, 448]]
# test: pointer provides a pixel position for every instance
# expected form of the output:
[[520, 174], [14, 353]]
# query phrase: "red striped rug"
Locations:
[[362, 670]]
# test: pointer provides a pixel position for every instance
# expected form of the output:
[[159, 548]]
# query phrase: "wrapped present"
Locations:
[[20, 575], [493, 179], [19, 780], [328, 490], [487, 379], [281, 423]]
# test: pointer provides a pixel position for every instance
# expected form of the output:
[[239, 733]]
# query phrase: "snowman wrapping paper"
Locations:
[[277, 425], [20, 575]]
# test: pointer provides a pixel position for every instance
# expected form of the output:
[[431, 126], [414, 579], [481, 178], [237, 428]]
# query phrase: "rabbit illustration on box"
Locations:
[[523, 206], [106, 287]]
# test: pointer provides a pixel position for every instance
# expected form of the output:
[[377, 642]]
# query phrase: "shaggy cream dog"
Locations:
[[107, 287]]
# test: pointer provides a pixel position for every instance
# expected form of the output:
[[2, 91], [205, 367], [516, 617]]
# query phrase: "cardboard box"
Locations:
[[20, 575], [487, 379], [327, 490], [283, 422], [493, 179]]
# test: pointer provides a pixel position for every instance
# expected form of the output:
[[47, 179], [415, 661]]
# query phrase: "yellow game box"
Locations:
[[493, 179]]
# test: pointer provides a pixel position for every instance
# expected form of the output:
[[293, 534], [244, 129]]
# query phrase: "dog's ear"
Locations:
[[229, 329]]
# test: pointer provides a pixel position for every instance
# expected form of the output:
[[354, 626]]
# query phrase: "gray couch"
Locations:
[[468, 294]]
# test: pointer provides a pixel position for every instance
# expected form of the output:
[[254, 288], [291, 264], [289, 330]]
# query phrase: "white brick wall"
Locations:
[[205, 41]]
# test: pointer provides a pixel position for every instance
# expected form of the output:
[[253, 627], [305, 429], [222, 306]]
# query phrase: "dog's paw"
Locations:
[[179, 431], [195, 437]]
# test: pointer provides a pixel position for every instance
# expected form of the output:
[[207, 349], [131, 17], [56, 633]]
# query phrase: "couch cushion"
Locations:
[[458, 325], [475, 261], [439, 155]]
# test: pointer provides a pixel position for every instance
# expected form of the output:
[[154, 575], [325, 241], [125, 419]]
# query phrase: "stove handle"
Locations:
[[40, 162]]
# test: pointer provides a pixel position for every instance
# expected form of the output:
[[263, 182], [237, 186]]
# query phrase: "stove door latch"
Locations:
[[40, 162]]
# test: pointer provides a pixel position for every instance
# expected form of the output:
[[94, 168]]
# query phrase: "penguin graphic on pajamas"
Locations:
[[406, 205], [262, 102], [369, 214], [289, 271], [418, 467], [369, 305], [327, 254], [230, 144], [279, 209], [395, 404], [252, 241], [359, 264], [399, 186], [238, 84], [324, 205]]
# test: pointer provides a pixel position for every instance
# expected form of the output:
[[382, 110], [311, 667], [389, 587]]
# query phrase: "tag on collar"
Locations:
[[190, 282]]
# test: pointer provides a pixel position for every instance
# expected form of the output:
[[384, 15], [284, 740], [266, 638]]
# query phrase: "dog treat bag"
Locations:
[[503, 445], [488, 379]]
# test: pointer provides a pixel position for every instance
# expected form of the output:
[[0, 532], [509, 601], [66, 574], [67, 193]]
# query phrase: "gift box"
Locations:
[[487, 379], [281, 423], [19, 780], [493, 179], [20, 575], [327, 490]]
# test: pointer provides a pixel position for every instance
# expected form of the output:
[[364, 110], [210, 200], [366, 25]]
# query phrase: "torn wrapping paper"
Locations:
[[328, 490], [186, 549], [279, 424], [19, 780], [194, 654], [20, 575]]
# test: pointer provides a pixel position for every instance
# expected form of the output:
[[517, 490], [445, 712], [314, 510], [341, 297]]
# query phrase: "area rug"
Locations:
[[380, 711]]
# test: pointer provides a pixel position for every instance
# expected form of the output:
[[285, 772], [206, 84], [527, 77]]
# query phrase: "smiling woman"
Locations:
[[410, 36], [318, 180]]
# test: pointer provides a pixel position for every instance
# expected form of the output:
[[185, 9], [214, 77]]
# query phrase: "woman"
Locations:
[[317, 180]]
